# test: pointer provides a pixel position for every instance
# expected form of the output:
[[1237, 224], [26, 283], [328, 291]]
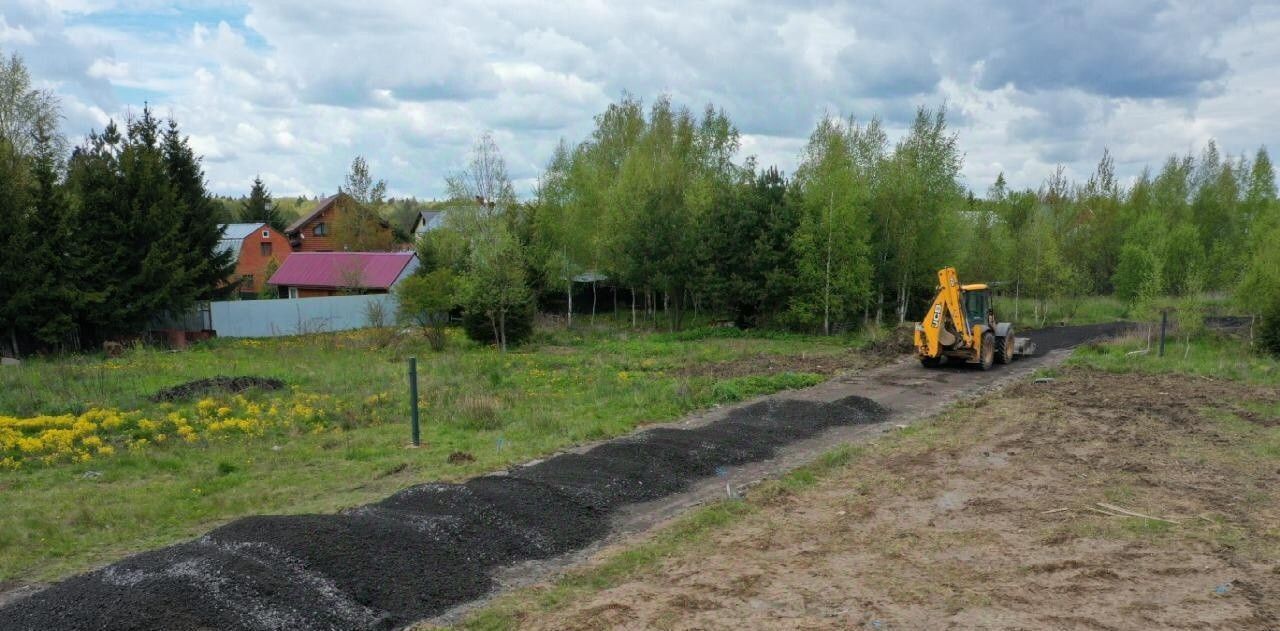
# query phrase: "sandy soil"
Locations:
[[982, 519]]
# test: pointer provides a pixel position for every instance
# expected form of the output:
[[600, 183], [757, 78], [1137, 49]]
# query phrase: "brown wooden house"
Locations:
[[314, 232]]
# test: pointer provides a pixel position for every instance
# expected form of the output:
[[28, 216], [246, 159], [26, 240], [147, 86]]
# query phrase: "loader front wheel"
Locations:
[[1004, 348], [988, 351]]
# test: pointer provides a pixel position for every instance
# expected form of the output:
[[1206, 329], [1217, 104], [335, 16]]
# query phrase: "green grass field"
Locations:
[[140, 474], [1205, 355]]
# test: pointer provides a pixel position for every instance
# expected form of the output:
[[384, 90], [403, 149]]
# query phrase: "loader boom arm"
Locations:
[[946, 304]]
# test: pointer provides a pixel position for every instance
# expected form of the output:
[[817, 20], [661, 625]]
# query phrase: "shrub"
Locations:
[[479, 327], [426, 300], [1269, 328]]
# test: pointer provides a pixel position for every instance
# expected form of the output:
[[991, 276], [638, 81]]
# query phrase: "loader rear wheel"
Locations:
[[931, 362], [988, 351], [1004, 348]]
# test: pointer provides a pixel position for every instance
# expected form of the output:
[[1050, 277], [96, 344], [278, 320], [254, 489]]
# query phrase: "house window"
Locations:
[[320, 230], [266, 234], [246, 281], [293, 292], [265, 249]]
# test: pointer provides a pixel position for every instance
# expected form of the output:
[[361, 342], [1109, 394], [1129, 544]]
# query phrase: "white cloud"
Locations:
[[294, 89], [14, 34], [108, 69]]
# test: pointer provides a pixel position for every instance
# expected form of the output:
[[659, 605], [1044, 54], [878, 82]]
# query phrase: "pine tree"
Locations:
[[747, 245], [259, 207]]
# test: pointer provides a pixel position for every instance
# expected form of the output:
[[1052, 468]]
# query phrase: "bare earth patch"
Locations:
[[984, 518]]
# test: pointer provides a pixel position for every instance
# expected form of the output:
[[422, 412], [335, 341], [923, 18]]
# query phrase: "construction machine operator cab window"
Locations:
[[977, 305]]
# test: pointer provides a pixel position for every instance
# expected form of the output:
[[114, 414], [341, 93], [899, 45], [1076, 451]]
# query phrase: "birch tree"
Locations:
[[494, 281], [831, 244]]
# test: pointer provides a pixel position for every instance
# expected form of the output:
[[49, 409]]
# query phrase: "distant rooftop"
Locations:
[[364, 270]]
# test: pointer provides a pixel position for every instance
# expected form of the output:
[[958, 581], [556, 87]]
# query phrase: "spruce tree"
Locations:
[[259, 207], [207, 264], [101, 250], [14, 288], [47, 317]]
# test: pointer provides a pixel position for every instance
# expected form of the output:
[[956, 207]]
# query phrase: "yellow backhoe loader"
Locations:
[[961, 326]]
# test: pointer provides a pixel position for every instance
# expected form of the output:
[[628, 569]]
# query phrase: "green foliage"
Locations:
[[269, 292], [1269, 328], [1184, 259], [1259, 291], [916, 200], [258, 207], [747, 248], [493, 282], [147, 232], [831, 243], [426, 300], [519, 319], [1136, 273]]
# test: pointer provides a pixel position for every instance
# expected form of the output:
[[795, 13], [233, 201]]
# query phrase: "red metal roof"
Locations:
[[368, 270]]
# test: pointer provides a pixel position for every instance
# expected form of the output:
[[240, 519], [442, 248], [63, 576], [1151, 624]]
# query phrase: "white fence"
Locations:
[[277, 318]]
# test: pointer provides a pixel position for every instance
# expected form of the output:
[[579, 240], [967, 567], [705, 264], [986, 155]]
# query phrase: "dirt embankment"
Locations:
[[987, 518]]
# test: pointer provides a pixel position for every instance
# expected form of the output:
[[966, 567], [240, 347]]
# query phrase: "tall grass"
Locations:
[[1206, 354]]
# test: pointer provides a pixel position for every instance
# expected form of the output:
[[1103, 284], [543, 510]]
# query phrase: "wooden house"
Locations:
[[314, 232]]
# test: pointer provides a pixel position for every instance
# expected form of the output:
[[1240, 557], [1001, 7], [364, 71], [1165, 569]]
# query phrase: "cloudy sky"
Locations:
[[293, 89]]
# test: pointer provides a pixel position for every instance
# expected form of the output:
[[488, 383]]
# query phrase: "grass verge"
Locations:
[[1206, 355]]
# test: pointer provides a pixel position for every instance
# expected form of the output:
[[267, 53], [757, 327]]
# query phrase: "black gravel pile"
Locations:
[[420, 551], [1058, 337], [202, 387]]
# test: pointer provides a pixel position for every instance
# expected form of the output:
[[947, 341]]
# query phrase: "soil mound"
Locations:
[[421, 551], [202, 387]]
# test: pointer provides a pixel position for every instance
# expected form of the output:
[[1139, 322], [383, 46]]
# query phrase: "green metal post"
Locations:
[[413, 397]]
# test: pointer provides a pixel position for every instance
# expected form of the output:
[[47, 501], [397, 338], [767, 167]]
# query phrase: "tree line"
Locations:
[[97, 245], [654, 202]]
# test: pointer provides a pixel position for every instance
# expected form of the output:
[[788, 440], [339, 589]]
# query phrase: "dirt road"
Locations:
[[906, 390], [1011, 514], [435, 546]]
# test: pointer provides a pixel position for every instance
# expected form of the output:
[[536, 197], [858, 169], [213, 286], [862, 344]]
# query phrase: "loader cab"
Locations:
[[977, 304]]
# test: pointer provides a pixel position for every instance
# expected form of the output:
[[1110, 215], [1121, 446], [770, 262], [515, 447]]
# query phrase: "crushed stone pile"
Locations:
[[202, 387], [421, 551], [1054, 338]]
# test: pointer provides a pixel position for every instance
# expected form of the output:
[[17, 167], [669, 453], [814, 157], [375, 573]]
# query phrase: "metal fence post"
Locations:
[[413, 398]]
